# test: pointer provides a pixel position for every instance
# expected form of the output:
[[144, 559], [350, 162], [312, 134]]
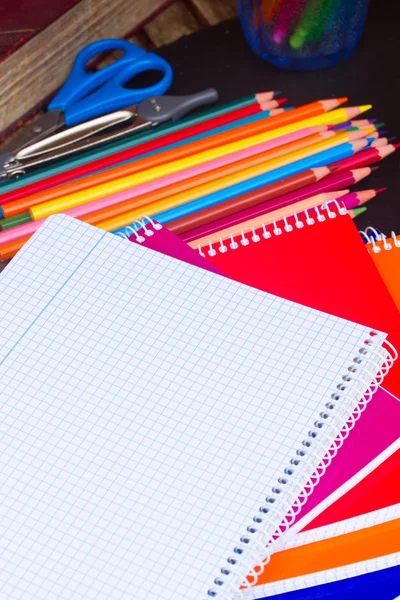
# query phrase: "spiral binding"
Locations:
[[380, 237], [253, 552], [287, 224], [135, 228], [254, 549]]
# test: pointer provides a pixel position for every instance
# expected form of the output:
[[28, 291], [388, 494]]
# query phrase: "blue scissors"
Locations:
[[96, 108], [86, 95]]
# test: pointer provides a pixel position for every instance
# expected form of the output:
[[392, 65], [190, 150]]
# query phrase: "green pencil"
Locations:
[[357, 211], [313, 21]]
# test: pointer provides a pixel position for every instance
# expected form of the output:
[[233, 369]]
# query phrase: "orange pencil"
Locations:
[[269, 8], [9, 250], [264, 125]]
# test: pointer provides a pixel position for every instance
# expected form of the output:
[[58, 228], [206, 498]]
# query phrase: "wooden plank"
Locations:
[[38, 68], [211, 12], [171, 24]]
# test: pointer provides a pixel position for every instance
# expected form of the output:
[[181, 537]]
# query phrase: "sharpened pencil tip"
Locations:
[[361, 173], [332, 103], [380, 190], [357, 211], [364, 108]]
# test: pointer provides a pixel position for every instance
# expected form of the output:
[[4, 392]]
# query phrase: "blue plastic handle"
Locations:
[[88, 95]]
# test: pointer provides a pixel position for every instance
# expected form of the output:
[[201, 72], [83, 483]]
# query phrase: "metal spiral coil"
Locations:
[[389, 243]]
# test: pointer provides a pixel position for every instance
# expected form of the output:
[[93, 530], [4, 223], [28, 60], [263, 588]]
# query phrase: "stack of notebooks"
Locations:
[[221, 423]]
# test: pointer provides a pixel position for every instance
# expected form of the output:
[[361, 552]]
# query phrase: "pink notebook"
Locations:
[[361, 453]]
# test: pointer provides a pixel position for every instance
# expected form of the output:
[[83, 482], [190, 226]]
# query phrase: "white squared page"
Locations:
[[147, 409]]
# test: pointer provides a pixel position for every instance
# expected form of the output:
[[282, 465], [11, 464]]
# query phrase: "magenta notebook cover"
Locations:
[[359, 450]]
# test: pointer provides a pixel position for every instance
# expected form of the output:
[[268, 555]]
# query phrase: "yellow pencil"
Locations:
[[335, 117], [268, 218], [224, 182]]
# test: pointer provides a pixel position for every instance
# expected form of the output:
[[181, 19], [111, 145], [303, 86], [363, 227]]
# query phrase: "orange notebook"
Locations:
[[386, 255]]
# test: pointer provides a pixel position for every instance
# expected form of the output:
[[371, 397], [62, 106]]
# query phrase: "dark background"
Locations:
[[220, 57]]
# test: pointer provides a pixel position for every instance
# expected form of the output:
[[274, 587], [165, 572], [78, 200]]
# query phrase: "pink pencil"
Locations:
[[289, 12], [151, 186]]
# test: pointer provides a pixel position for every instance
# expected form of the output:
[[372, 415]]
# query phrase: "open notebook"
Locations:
[[364, 469], [159, 420]]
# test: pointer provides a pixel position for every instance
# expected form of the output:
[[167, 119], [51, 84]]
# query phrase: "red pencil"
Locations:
[[365, 158]]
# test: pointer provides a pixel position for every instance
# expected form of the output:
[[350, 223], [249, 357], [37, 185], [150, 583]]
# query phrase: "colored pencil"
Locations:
[[157, 138], [15, 221], [263, 195], [265, 126], [197, 177], [77, 199], [369, 156], [289, 12], [266, 219], [17, 206], [383, 141], [10, 249], [316, 160], [313, 21], [269, 9], [357, 211], [239, 171], [356, 199], [176, 207], [190, 228]]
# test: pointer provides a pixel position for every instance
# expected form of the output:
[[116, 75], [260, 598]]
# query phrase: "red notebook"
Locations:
[[360, 451]]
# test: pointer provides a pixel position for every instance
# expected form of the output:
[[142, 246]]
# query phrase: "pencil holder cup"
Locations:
[[303, 34]]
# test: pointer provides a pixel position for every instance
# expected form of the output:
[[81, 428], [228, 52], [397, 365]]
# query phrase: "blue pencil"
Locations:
[[320, 159]]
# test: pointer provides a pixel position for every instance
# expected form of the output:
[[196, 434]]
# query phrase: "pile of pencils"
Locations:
[[230, 168]]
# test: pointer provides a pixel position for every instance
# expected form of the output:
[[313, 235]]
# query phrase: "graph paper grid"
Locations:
[[147, 409]]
